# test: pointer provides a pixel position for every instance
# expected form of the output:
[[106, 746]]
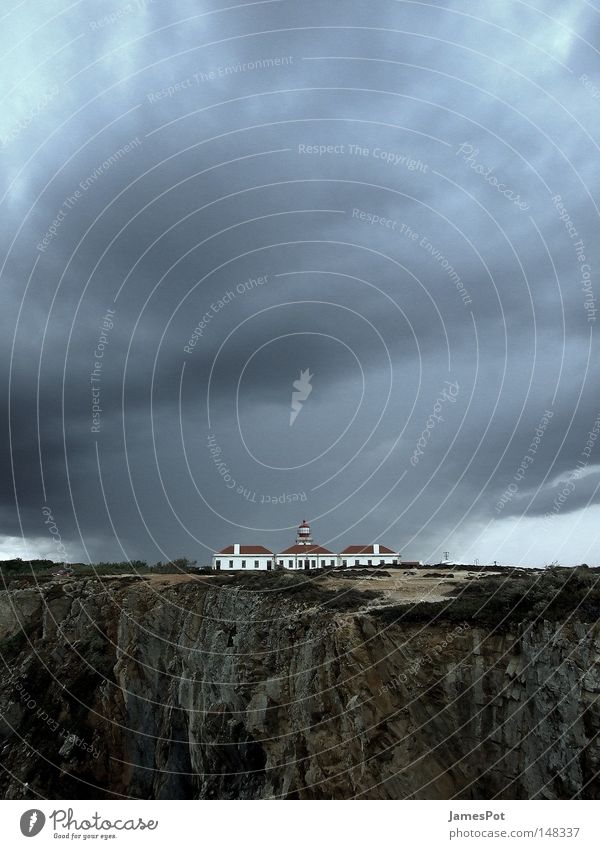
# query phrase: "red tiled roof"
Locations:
[[247, 549], [367, 549], [306, 549]]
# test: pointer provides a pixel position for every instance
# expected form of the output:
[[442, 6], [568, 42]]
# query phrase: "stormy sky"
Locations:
[[202, 201]]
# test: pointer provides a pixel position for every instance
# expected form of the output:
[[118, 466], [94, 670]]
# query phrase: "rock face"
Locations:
[[114, 688]]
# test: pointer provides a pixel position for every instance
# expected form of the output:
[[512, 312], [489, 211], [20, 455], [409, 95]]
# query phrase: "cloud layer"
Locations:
[[202, 202]]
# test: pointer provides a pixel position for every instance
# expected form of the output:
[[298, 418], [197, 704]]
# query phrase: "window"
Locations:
[[218, 564], [281, 562], [344, 562], [256, 564], [382, 562], [370, 562], [243, 564], [314, 563], [290, 563], [231, 564], [356, 562], [323, 563], [332, 562]]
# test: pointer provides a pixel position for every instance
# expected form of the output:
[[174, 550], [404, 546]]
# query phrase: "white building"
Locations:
[[236, 556], [369, 555], [304, 554]]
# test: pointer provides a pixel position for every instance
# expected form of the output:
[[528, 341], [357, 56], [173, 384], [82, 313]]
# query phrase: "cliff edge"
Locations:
[[275, 686]]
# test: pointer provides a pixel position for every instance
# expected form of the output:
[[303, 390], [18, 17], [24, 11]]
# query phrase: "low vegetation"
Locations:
[[301, 587], [519, 596], [44, 570], [493, 600]]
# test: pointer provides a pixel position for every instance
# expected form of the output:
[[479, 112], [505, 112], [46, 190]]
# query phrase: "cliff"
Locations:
[[209, 688]]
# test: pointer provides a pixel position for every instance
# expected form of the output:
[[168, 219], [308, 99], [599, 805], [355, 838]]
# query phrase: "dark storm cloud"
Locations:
[[171, 155]]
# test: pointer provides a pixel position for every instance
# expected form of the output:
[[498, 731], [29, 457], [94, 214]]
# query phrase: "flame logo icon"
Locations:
[[32, 822], [303, 389]]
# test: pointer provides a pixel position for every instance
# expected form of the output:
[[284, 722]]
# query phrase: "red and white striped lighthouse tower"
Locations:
[[303, 537]]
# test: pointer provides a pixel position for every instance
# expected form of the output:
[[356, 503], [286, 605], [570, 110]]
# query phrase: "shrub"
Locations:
[[497, 601]]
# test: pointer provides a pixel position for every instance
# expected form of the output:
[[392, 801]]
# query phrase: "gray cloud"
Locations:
[[170, 153]]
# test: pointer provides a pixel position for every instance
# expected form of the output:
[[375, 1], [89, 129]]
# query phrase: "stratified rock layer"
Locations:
[[112, 688]]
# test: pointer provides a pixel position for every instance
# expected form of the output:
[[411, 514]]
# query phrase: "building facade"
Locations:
[[251, 557], [369, 555], [305, 554]]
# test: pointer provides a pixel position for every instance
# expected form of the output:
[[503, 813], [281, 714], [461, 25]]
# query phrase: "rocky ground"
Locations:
[[260, 686]]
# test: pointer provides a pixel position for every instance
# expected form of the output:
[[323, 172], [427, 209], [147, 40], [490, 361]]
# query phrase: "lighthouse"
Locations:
[[303, 536], [305, 554]]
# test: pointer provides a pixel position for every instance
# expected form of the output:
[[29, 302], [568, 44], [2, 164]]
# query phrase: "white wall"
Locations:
[[239, 559], [317, 561], [375, 560]]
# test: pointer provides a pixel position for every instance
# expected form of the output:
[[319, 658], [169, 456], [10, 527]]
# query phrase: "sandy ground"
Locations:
[[169, 580], [155, 580], [398, 588]]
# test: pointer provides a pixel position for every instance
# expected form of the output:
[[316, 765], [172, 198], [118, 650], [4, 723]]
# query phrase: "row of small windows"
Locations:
[[313, 563], [256, 564]]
